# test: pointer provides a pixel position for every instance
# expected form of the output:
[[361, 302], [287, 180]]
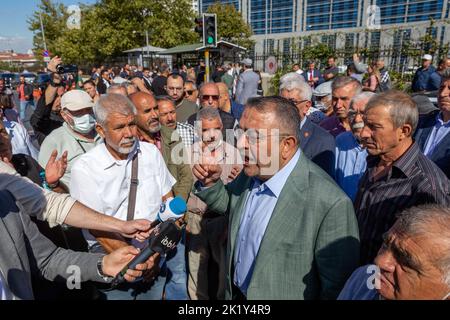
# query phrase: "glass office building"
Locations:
[[204, 4], [331, 14], [287, 19]]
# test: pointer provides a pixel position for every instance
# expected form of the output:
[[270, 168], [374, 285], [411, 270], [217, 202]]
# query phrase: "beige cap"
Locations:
[[75, 100]]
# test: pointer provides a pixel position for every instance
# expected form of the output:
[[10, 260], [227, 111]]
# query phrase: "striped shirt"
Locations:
[[412, 180]]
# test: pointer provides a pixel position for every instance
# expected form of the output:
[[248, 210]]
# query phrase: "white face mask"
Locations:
[[320, 105], [83, 124]]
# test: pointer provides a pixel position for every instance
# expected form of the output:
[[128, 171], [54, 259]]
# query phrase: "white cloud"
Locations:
[[17, 43]]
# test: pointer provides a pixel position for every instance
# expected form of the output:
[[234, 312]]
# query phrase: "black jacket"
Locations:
[[319, 146], [441, 154], [44, 121], [101, 86], [27, 90]]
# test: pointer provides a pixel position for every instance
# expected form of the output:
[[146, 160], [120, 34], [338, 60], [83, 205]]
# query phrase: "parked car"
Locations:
[[29, 77], [42, 79], [11, 79]]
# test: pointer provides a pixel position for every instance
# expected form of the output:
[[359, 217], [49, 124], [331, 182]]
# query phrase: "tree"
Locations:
[[230, 25], [53, 18], [110, 27]]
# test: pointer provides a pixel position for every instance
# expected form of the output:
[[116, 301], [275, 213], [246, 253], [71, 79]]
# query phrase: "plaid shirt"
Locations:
[[385, 77], [186, 132]]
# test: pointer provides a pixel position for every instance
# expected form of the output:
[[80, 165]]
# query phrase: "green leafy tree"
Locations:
[[110, 27], [53, 17], [231, 26]]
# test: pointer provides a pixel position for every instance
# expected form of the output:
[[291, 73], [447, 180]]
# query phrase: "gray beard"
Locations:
[[155, 130]]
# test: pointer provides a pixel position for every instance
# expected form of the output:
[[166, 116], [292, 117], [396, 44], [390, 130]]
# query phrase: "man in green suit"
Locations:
[[292, 233]]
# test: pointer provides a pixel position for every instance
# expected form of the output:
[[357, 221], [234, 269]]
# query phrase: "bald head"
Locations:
[[139, 98], [147, 117], [209, 95], [118, 89], [224, 100], [223, 88]]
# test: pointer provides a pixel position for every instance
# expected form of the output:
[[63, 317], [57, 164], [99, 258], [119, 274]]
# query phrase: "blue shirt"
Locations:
[[426, 80], [236, 110], [440, 130], [361, 285], [350, 163], [259, 206]]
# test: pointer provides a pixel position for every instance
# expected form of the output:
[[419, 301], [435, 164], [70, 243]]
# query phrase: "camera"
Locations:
[[70, 68]]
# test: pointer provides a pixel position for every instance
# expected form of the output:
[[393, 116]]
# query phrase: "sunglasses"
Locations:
[[206, 97], [189, 92]]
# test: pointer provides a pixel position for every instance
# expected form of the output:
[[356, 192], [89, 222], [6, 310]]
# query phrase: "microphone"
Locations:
[[164, 238], [172, 209]]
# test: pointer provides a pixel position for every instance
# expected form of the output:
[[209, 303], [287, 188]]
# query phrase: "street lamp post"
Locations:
[[42, 30], [148, 47], [145, 14]]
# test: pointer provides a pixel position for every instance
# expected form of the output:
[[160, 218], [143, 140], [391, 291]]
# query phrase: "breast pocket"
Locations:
[[149, 195]]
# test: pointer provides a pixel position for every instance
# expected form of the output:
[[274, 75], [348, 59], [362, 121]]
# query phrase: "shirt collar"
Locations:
[[277, 182], [407, 161], [302, 123], [110, 161], [441, 121], [405, 164]]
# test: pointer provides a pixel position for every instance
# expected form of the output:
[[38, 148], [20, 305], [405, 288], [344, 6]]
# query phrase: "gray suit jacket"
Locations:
[[23, 249], [247, 86], [311, 244]]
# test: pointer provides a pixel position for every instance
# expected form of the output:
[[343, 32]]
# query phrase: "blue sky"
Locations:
[[14, 33]]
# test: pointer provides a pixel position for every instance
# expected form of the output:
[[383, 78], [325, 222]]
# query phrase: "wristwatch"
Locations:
[[54, 185], [100, 270]]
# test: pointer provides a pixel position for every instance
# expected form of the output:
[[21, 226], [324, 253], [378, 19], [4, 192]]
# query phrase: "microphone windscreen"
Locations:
[[173, 208]]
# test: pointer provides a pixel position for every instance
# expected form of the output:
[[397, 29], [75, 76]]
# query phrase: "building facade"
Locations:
[[278, 24]]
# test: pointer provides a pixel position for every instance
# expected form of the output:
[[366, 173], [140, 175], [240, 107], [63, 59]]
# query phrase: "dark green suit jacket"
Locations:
[[182, 172], [311, 244]]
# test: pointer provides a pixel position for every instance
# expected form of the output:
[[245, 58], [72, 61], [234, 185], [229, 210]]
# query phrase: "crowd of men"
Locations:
[[336, 188]]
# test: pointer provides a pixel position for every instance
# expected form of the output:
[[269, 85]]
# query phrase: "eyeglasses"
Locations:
[[353, 113], [189, 92], [297, 102], [254, 135], [206, 97]]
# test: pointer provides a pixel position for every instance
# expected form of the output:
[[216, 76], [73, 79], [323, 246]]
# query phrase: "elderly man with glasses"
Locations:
[[191, 92], [209, 97], [350, 153], [317, 144], [292, 231]]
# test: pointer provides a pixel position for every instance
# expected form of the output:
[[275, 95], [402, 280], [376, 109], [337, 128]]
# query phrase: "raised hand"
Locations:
[[55, 169], [208, 174], [234, 172], [54, 63]]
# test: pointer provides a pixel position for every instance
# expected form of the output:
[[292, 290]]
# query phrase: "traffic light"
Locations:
[[199, 26], [209, 30]]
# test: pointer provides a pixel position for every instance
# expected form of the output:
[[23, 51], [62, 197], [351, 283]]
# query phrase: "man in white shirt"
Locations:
[[101, 180]]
